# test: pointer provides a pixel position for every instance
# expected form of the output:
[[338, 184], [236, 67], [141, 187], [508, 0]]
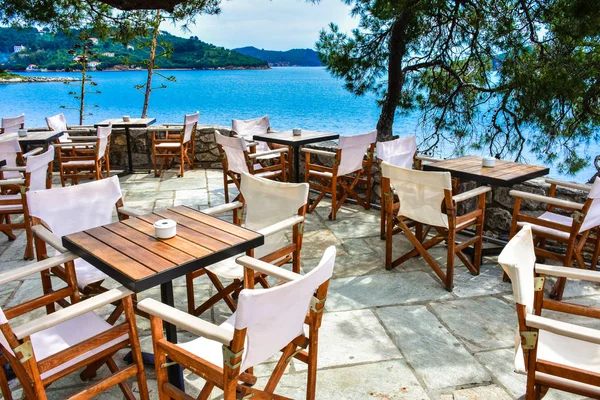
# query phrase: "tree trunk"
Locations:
[[83, 79], [148, 90]]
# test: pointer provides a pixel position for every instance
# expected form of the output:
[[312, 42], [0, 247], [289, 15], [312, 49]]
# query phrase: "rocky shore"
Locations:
[[28, 79]]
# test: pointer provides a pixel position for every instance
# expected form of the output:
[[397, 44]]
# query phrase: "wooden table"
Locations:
[[288, 139], [133, 123], [34, 138], [128, 252]]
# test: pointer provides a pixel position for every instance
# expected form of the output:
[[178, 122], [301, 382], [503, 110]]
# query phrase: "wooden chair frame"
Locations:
[[186, 151], [280, 257], [234, 383], [575, 241], [326, 184], [80, 152], [456, 224], [29, 370]]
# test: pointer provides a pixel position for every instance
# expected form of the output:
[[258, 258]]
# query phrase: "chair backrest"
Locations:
[[12, 125], [103, 134], [58, 122], [420, 193], [189, 126], [37, 168], [268, 202], [10, 150], [399, 152], [76, 208], [234, 148], [274, 317], [249, 127], [592, 217], [353, 151]]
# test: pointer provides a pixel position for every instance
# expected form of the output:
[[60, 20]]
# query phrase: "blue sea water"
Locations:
[[308, 98]]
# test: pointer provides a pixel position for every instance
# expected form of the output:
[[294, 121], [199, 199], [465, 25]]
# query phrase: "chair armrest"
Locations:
[[165, 128], [80, 127], [73, 145], [568, 272], [33, 152], [268, 269], [83, 138], [268, 153], [12, 182], [563, 328], [427, 158], [571, 205], [130, 212], [18, 169], [281, 225], [186, 321], [30, 269], [251, 143], [169, 125], [73, 311], [48, 237], [318, 152], [471, 193], [223, 208], [571, 185]]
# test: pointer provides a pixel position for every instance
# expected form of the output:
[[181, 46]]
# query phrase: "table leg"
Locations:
[[296, 152], [175, 372], [129, 169]]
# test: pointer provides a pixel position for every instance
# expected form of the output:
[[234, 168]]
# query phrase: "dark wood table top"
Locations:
[[34, 137], [504, 173], [133, 123], [287, 138], [128, 252], [2, 163]]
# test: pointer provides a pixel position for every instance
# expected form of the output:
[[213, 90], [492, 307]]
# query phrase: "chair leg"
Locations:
[[449, 283], [226, 186], [206, 390], [332, 216], [191, 301], [383, 221], [29, 252], [313, 351], [389, 220], [182, 163], [5, 389], [155, 161], [136, 350]]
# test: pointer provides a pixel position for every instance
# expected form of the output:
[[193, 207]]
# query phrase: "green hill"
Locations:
[[50, 50], [299, 57]]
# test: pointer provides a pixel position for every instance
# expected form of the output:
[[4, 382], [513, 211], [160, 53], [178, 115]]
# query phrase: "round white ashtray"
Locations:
[[297, 131], [165, 229], [22, 132], [488, 162], [126, 118]]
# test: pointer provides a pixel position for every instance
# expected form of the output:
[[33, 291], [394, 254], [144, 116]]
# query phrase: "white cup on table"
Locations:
[[296, 131], [126, 118], [22, 132]]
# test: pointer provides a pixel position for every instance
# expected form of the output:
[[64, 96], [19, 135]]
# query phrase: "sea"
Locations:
[[292, 97]]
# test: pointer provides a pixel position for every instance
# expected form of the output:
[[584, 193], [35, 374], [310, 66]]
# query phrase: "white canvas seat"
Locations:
[[349, 169], [179, 142], [283, 208], [266, 322], [58, 123], [561, 355], [12, 125], [250, 127], [554, 218]]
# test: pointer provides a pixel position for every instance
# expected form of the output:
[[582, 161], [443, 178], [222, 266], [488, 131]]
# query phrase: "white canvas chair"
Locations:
[[271, 208], [266, 322], [425, 198], [13, 200], [58, 122], [179, 142], [237, 160], [250, 127], [349, 169], [85, 160], [62, 211], [12, 125], [553, 354], [573, 232], [46, 349]]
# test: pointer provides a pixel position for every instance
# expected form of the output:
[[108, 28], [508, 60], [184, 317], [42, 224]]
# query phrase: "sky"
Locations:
[[269, 24]]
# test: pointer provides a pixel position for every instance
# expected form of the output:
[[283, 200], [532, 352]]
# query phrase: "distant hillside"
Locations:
[[301, 57], [50, 50]]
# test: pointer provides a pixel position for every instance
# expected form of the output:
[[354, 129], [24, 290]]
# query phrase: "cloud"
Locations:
[[272, 25]]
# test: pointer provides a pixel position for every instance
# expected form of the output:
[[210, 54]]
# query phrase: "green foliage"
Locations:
[[302, 57]]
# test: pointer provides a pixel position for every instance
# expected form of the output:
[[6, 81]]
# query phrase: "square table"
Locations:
[[133, 123], [34, 138], [287, 138], [128, 252]]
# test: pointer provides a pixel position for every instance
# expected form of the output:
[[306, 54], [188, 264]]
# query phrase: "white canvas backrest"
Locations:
[[37, 167], [3, 341], [9, 148], [420, 193], [58, 122], [592, 218], [189, 122], [274, 317], [353, 151], [518, 261], [399, 152], [269, 202], [12, 125], [249, 127], [234, 148], [103, 133], [76, 208]]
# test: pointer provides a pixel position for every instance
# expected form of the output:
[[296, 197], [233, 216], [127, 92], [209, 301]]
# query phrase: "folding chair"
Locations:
[[85, 160], [62, 211], [553, 354], [48, 348], [237, 159], [425, 198], [266, 322], [58, 122], [12, 125], [572, 231], [179, 142], [13, 200], [271, 208], [400, 152], [349, 169]]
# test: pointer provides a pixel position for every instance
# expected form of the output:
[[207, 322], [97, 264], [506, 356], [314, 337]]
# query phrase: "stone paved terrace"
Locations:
[[386, 334]]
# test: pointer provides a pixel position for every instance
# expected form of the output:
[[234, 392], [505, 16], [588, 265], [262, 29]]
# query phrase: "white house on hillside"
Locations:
[[94, 40], [108, 54], [32, 67], [18, 49], [93, 64]]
